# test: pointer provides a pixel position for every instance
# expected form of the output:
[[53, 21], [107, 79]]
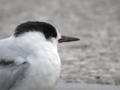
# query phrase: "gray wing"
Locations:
[[10, 73]]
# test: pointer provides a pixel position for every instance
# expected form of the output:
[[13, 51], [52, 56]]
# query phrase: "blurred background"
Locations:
[[94, 59]]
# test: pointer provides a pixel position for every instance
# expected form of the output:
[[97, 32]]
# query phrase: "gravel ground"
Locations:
[[74, 86], [96, 58]]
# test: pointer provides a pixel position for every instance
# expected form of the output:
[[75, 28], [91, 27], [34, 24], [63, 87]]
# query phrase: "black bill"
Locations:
[[67, 39]]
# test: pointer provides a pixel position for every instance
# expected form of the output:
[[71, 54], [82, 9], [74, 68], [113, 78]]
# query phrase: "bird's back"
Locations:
[[9, 50]]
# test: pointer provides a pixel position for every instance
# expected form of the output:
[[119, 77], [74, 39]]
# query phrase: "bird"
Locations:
[[29, 58]]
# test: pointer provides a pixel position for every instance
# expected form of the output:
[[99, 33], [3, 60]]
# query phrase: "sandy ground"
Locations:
[[96, 58], [74, 86]]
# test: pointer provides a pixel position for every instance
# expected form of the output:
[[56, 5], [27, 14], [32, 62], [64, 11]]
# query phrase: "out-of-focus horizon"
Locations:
[[96, 58]]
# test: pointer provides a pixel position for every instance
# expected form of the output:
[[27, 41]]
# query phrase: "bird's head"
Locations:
[[48, 31]]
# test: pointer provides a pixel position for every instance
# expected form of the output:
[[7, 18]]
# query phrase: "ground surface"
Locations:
[[73, 86], [96, 58]]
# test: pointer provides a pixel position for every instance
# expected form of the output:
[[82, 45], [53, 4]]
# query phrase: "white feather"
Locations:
[[40, 53]]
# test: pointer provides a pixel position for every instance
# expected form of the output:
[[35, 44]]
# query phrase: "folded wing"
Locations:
[[11, 73]]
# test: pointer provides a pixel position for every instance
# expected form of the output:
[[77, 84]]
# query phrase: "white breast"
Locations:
[[43, 73], [44, 68]]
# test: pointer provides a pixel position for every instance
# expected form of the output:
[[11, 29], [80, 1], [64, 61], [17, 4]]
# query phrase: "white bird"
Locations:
[[29, 58]]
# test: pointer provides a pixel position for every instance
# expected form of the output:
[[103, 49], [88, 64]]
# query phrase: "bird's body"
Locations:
[[29, 59], [44, 62]]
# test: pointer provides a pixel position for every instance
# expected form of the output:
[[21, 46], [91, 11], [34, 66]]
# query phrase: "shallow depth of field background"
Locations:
[[94, 59]]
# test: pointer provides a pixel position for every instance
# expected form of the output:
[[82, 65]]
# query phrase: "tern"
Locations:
[[29, 58]]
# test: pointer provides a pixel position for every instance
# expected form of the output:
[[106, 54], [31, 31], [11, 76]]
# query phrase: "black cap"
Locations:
[[47, 29]]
